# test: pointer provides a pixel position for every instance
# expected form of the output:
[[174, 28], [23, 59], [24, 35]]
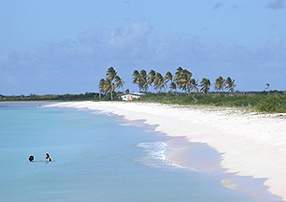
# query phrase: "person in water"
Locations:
[[31, 158], [48, 157]]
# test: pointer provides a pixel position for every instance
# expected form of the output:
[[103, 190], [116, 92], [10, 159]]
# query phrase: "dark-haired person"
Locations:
[[31, 158], [48, 157]]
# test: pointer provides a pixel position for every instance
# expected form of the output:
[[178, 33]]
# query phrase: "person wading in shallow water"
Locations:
[[48, 157], [31, 158]]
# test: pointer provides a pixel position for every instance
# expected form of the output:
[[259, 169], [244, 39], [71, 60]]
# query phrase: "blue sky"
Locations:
[[65, 46]]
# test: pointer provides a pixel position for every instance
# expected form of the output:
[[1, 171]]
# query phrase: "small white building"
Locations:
[[131, 96]]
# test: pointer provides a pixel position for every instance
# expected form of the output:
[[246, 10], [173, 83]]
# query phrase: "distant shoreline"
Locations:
[[246, 141], [262, 102]]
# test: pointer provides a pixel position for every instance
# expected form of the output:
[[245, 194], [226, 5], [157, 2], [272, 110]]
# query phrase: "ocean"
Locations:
[[96, 158]]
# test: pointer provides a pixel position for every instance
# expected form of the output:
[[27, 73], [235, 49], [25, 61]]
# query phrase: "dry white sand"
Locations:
[[251, 144]]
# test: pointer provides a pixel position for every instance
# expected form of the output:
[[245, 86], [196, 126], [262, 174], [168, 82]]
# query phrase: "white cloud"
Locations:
[[218, 5], [276, 4]]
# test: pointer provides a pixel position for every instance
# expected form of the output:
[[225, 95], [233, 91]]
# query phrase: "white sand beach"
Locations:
[[250, 144]]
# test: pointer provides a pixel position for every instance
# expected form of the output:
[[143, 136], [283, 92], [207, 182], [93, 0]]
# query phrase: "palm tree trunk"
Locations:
[[111, 95], [112, 91]]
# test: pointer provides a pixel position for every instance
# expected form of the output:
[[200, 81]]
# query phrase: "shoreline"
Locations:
[[200, 157], [245, 141]]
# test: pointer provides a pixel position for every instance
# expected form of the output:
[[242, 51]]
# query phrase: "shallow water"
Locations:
[[96, 158]]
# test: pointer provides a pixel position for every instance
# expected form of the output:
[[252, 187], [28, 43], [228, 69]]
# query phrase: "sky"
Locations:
[[52, 46]]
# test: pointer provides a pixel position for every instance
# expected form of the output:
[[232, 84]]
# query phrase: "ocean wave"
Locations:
[[156, 155]]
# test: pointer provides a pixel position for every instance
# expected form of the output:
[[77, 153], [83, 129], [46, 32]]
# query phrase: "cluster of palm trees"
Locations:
[[182, 80], [222, 84], [145, 81], [111, 83]]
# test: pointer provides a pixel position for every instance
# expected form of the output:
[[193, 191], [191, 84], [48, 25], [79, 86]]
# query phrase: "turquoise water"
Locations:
[[96, 159]]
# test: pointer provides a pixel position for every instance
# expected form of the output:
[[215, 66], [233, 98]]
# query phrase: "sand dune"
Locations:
[[251, 144]]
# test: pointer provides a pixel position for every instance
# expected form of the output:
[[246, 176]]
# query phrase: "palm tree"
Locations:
[[194, 85], [205, 85], [173, 86], [267, 86], [219, 83], [187, 75], [159, 81], [168, 78], [111, 73], [136, 78], [112, 81], [178, 76], [143, 80], [101, 87], [151, 77], [118, 82], [183, 79], [104, 86], [230, 84], [140, 78], [108, 87]]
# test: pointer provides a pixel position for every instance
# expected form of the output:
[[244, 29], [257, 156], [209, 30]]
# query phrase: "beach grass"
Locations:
[[260, 102]]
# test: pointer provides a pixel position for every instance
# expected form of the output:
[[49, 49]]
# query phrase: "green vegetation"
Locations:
[[181, 88], [261, 102], [65, 97], [272, 103]]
